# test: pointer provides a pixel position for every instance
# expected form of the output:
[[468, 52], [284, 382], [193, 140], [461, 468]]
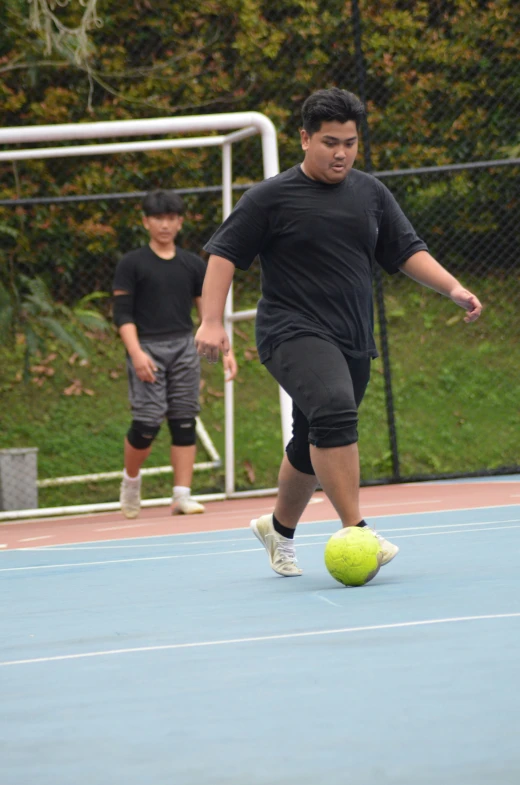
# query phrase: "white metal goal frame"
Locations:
[[233, 127]]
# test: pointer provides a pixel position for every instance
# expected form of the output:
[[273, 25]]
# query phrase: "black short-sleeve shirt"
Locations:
[[317, 244], [162, 290]]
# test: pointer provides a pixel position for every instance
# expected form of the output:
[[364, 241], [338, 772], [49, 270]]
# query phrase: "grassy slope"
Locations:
[[456, 397]]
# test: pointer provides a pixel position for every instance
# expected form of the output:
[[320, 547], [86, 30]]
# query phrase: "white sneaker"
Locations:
[[388, 549], [282, 556], [130, 498], [185, 505]]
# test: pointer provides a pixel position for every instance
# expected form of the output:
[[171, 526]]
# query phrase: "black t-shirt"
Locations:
[[162, 290], [317, 244]]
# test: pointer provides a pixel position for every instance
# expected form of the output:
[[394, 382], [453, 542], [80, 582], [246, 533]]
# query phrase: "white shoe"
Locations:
[[388, 549], [130, 498], [282, 556], [185, 505]]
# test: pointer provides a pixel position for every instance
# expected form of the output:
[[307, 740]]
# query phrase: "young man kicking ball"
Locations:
[[318, 228]]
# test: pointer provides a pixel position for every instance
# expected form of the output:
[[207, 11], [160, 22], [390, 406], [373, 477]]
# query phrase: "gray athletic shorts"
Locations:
[[175, 393]]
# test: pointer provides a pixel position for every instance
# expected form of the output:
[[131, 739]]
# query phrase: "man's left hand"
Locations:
[[468, 301]]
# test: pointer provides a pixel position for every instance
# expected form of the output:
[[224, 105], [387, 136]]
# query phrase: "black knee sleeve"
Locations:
[[141, 434], [298, 454], [182, 432]]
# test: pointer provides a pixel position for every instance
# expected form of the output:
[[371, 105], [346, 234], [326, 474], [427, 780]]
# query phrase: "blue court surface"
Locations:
[[184, 660]]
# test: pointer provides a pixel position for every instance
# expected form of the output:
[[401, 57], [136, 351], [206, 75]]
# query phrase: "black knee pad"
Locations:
[[141, 434], [298, 454], [182, 432]]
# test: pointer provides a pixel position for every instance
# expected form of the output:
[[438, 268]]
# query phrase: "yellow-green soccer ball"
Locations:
[[353, 555]]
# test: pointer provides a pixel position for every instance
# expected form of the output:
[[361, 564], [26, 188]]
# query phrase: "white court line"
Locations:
[[245, 527], [43, 537], [508, 479], [326, 599], [123, 526], [401, 504], [108, 547], [455, 531], [254, 511], [261, 638], [160, 521], [101, 546], [126, 561], [71, 519], [227, 553], [417, 534], [421, 514], [3, 545]]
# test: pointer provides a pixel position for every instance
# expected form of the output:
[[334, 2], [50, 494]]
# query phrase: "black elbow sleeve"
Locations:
[[123, 309]]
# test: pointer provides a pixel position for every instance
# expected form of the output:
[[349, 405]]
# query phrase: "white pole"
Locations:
[[155, 126], [109, 149], [272, 168], [229, 408]]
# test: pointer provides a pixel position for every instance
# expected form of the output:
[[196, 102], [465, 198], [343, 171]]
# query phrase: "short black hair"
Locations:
[[163, 203], [328, 105]]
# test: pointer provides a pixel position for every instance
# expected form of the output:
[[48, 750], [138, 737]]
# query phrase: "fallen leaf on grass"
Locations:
[[76, 388], [250, 353], [73, 389], [42, 369], [248, 468], [453, 320], [241, 333]]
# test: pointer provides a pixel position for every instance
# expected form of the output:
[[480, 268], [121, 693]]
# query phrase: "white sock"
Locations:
[[181, 491], [129, 479]]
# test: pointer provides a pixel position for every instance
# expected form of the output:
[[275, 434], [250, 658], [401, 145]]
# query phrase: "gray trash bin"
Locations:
[[18, 477]]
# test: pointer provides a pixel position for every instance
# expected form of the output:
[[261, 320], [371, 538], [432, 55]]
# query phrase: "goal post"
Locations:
[[231, 128]]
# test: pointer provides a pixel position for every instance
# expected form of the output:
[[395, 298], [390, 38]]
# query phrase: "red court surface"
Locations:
[[235, 514]]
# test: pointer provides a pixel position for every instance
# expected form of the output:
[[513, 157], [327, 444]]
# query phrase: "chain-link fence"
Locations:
[[442, 85], [448, 391], [460, 388]]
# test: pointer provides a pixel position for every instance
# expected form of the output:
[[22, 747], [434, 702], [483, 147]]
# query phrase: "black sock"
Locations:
[[283, 530], [361, 523]]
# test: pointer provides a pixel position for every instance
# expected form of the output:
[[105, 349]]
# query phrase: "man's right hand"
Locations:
[[210, 339], [144, 366]]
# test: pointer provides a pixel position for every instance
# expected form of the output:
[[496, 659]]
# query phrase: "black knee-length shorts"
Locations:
[[326, 387]]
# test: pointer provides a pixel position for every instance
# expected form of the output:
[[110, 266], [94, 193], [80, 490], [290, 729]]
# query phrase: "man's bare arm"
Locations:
[[426, 270], [211, 338]]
